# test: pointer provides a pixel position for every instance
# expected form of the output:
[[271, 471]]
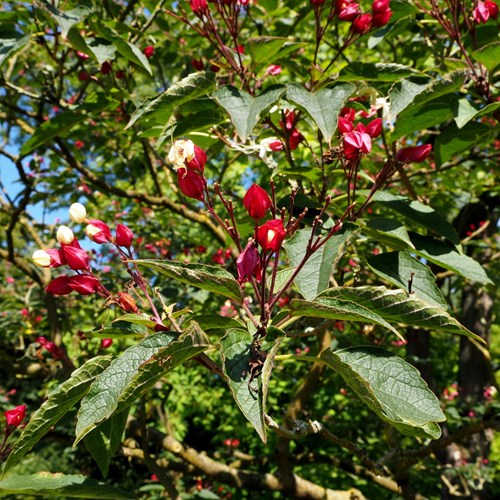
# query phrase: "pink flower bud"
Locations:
[[257, 202], [295, 139], [15, 416], [271, 234], [49, 258], [345, 125], [198, 6], [105, 343], [248, 263], [98, 231], [124, 236], [358, 140], [362, 23], [191, 183], [84, 284], [76, 258], [374, 128], [380, 6], [149, 51], [481, 13], [414, 154], [198, 161], [59, 286], [347, 11]]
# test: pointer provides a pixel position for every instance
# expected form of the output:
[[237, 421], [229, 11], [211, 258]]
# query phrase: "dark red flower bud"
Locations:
[[347, 11], [191, 184], [106, 68], [198, 64], [492, 8], [380, 6], [362, 23], [59, 286], [271, 234], [15, 416], [248, 263], [414, 154], [124, 236], [257, 202], [199, 160], [76, 258], [198, 6], [295, 139], [317, 3], [105, 343], [84, 284], [381, 18], [98, 231], [374, 128], [345, 125]]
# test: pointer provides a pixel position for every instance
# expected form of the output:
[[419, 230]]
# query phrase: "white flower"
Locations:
[[180, 152], [65, 235], [77, 213], [41, 258]]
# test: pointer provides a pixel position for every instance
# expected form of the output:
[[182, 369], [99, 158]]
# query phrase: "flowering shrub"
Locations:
[[270, 237]]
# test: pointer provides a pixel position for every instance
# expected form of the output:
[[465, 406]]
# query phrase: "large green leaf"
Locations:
[[10, 42], [103, 442], [314, 277], [388, 231], [135, 372], [245, 109], [62, 399], [335, 309], [489, 55], [68, 18], [323, 106], [248, 396], [46, 484], [397, 268], [381, 72], [403, 92], [397, 306], [422, 214], [268, 49], [443, 255], [391, 387], [211, 278], [160, 109], [454, 141]]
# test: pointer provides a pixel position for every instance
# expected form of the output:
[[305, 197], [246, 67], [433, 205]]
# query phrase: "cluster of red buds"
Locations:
[[71, 254]]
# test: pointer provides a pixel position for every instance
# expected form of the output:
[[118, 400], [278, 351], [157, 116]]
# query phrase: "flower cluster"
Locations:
[[350, 11], [357, 139]]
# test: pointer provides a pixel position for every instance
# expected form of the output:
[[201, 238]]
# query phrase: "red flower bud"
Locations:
[[257, 202], [84, 284], [345, 125], [362, 23], [106, 68], [76, 258], [124, 236], [492, 8], [149, 51], [381, 18], [191, 184], [295, 139], [15, 416], [52, 257], [59, 286], [199, 160], [105, 343], [347, 12], [126, 302], [481, 13], [198, 6], [271, 234], [360, 141], [380, 6], [248, 263], [98, 231], [374, 128], [415, 154]]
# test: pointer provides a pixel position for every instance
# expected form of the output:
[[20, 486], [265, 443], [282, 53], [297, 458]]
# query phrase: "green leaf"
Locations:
[[160, 109], [323, 106], [422, 214], [102, 399], [454, 141], [314, 277], [268, 49], [244, 109], [381, 72], [59, 485], [102, 49], [489, 56], [66, 19], [10, 42], [217, 322], [388, 231], [443, 255], [121, 328], [103, 442], [211, 278], [59, 402], [396, 267], [269, 364], [398, 306], [403, 93], [236, 357], [135, 372], [128, 50], [389, 386], [335, 309], [464, 112]]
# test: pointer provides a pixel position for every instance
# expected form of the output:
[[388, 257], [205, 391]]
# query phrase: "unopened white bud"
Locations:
[[65, 235], [181, 151], [77, 213], [41, 258]]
